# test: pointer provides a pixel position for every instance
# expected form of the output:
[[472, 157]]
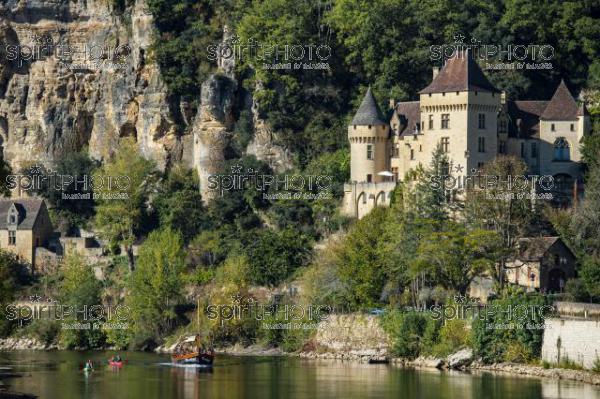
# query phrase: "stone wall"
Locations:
[[577, 340], [353, 333]]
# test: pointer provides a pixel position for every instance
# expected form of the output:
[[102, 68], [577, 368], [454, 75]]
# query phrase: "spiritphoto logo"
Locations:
[[39, 178], [296, 186], [95, 316], [522, 316], [273, 316], [273, 56], [78, 55], [497, 56], [503, 187]]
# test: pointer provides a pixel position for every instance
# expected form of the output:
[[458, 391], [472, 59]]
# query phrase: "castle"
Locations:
[[471, 120]]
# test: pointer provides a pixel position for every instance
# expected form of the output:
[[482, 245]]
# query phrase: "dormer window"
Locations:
[[12, 218]]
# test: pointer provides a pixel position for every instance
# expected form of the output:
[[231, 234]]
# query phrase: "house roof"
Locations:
[[409, 113], [528, 113], [368, 113], [460, 73], [534, 248], [562, 106], [28, 208]]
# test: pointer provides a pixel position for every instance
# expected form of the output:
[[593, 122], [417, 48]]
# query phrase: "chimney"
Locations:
[[503, 97], [436, 70], [392, 103]]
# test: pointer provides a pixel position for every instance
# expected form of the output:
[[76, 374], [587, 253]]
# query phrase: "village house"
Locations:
[[25, 226], [543, 264]]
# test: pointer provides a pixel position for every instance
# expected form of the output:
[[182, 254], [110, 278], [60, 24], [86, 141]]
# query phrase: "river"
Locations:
[[58, 375]]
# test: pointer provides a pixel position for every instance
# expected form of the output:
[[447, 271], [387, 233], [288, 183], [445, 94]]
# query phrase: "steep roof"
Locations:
[[529, 113], [533, 249], [409, 113], [28, 208], [368, 113], [460, 73], [562, 106]]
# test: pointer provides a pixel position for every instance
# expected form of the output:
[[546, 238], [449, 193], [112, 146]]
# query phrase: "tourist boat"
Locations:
[[191, 351]]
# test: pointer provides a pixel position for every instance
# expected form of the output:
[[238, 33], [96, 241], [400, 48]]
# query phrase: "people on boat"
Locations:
[[116, 358], [89, 366]]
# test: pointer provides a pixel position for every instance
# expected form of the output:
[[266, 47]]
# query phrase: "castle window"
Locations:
[[430, 122], [420, 148], [572, 127], [534, 150], [481, 120], [481, 144], [397, 151], [13, 219], [502, 147], [369, 178], [354, 127], [445, 121], [369, 126], [445, 142], [502, 126], [457, 93], [552, 127], [369, 151], [395, 172], [561, 150], [480, 165], [443, 94], [12, 237], [412, 154]]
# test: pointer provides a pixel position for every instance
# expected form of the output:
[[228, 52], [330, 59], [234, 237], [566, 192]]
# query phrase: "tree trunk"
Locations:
[[130, 258]]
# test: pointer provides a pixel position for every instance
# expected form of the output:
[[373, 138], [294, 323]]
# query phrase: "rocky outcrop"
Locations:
[[554, 373], [460, 359], [348, 337], [263, 145], [88, 83], [10, 344]]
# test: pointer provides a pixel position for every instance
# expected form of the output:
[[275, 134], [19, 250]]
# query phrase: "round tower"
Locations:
[[368, 135]]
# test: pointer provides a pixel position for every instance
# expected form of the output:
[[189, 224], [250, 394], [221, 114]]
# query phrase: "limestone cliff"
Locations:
[[74, 74]]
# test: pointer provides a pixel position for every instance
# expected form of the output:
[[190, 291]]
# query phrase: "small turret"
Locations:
[[368, 135]]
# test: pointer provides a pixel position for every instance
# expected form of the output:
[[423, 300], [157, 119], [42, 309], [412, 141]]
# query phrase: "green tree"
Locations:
[[156, 287], [502, 208], [456, 255], [274, 255], [80, 289], [119, 219], [361, 261]]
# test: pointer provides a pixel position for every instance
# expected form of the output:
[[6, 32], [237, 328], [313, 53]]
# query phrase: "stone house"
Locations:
[[25, 225], [544, 264]]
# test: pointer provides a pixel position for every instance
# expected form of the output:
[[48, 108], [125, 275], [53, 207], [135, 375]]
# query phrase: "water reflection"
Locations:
[[148, 376]]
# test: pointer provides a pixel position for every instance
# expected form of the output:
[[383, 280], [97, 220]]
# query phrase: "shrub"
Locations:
[[497, 336], [453, 335], [407, 331], [596, 365]]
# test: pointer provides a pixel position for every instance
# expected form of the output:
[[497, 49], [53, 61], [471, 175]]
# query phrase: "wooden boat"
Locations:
[[191, 351]]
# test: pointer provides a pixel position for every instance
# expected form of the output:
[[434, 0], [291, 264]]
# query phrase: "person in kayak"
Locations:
[[89, 366], [116, 358]]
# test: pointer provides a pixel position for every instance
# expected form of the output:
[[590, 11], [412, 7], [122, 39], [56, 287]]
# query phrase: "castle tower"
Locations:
[[368, 135]]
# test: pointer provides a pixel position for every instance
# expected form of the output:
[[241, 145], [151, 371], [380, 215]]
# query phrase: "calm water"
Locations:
[[57, 375]]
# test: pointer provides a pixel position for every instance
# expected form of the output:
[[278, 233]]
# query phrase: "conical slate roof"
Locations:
[[562, 107], [368, 113], [460, 73]]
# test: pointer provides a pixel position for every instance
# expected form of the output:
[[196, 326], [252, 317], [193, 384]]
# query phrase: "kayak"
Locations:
[[115, 364]]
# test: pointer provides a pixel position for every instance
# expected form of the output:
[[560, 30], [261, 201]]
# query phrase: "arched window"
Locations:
[[561, 149]]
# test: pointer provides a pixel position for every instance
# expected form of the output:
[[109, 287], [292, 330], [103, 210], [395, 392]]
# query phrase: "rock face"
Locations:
[[349, 337], [211, 130], [460, 359], [77, 75], [263, 145]]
